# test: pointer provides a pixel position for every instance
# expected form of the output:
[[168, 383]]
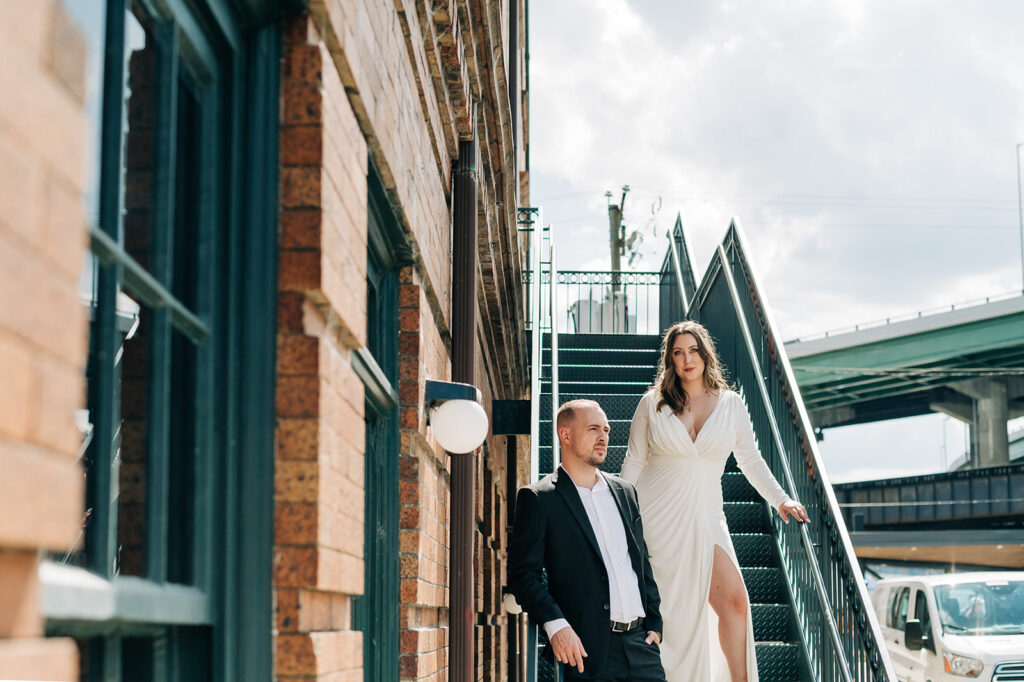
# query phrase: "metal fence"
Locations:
[[837, 626]]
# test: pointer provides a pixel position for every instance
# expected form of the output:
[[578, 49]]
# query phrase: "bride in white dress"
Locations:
[[682, 433]]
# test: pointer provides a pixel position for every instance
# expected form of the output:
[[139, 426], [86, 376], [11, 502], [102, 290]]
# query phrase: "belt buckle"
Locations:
[[619, 627]]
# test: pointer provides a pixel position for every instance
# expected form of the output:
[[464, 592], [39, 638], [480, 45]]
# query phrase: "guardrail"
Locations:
[[837, 625]]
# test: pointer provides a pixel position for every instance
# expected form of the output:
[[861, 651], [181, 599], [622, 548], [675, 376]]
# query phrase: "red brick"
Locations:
[[297, 438], [295, 523], [300, 228], [301, 145], [301, 64], [295, 566], [297, 354], [299, 270], [298, 396], [296, 481]]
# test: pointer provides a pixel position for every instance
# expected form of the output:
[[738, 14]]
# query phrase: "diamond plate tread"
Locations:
[[780, 662], [731, 466], [746, 517], [754, 549], [602, 373], [765, 585], [736, 488], [773, 623]]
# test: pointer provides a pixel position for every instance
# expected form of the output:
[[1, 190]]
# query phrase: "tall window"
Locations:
[[377, 611], [172, 545]]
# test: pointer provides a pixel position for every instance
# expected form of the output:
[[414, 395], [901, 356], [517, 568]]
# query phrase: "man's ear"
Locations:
[[563, 434]]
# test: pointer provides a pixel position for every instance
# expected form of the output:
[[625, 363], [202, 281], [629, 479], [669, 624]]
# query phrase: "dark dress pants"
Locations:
[[630, 659]]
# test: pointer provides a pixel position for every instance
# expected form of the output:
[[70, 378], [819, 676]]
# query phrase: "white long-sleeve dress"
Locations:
[[678, 481]]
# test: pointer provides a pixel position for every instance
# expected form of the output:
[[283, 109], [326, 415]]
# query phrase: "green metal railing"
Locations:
[[838, 629]]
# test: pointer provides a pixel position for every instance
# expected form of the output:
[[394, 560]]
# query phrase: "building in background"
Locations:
[[226, 252]]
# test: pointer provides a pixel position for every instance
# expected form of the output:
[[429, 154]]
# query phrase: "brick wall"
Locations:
[[386, 81], [318, 552], [43, 334]]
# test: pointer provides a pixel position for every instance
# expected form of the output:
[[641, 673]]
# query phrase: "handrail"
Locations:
[[679, 271], [555, 450], [536, 365], [819, 581], [844, 590]]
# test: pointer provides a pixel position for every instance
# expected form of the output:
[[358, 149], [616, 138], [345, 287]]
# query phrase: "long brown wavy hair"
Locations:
[[668, 384]]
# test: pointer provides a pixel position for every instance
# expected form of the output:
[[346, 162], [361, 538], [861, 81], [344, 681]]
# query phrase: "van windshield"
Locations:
[[984, 608]]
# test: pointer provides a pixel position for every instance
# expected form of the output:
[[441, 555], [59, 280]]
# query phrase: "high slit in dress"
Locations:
[[678, 481]]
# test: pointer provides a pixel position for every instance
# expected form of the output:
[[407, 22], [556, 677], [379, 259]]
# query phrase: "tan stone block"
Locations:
[[19, 394], [40, 498], [64, 236], [340, 572], [53, 659], [19, 599], [314, 610], [67, 54], [62, 393]]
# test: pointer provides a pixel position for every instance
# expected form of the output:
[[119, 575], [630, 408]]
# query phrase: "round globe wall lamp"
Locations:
[[456, 416]]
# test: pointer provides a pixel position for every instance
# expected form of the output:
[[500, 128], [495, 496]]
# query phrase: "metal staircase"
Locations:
[[811, 615]]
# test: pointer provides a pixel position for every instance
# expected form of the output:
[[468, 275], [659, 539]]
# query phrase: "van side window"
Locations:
[[899, 610], [890, 605], [923, 613]]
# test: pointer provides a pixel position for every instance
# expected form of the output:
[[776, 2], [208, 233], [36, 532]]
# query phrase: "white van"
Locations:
[[954, 627]]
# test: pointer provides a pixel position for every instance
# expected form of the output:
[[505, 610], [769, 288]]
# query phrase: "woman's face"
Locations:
[[686, 359]]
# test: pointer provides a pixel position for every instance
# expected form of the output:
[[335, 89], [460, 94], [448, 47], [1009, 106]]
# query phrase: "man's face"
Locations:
[[586, 437]]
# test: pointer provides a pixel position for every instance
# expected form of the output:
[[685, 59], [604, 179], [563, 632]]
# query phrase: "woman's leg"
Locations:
[[728, 597]]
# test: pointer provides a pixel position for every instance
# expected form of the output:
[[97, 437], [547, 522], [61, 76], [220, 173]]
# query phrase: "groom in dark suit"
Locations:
[[599, 606]]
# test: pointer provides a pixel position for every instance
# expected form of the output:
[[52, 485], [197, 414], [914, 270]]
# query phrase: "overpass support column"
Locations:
[[988, 426], [993, 411]]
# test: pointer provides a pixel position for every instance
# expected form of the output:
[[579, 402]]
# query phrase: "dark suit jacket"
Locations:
[[552, 532]]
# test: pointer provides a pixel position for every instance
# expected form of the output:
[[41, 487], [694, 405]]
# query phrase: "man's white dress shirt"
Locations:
[[624, 600]]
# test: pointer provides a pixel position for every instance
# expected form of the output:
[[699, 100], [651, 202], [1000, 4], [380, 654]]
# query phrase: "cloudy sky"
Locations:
[[867, 147]]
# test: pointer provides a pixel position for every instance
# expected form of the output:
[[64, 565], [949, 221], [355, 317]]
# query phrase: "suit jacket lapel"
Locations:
[[567, 489]]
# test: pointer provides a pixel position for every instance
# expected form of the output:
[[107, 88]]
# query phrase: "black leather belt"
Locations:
[[618, 626]]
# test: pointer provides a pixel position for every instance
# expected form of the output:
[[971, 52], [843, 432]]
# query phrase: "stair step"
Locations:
[[616, 405], [780, 662], [604, 341], [773, 623], [588, 388], [746, 517], [604, 356], [643, 374], [765, 585], [736, 488], [754, 549]]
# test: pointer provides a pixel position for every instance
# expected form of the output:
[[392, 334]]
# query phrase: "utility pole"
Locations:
[[615, 232], [1020, 213]]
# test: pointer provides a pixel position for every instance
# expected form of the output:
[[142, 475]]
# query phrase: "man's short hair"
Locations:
[[567, 412]]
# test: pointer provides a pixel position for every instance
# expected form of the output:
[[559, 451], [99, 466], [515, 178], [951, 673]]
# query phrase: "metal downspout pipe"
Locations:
[[461, 615]]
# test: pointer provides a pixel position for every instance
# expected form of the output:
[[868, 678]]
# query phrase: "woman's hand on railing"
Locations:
[[794, 509]]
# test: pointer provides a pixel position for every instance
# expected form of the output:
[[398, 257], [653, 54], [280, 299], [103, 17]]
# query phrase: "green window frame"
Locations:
[[199, 129], [377, 610]]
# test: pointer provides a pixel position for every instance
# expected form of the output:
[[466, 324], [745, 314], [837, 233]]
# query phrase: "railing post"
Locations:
[[555, 450]]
